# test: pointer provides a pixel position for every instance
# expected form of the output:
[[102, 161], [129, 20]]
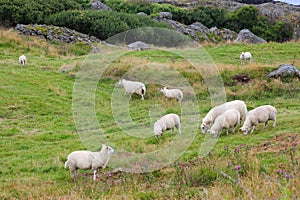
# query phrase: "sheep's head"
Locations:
[[158, 132], [120, 82], [163, 89], [213, 132], [108, 149], [204, 127], [242, 56], [245, 129]]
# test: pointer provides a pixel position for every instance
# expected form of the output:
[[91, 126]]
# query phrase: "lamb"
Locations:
[[133, 87], [88, 160], [218, 110], [261, 114], [172, 93], [22, 60], [229, 119], [167, 122], [245, 56]]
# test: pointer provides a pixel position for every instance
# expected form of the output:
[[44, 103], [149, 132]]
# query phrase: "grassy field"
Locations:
[[38, 126]]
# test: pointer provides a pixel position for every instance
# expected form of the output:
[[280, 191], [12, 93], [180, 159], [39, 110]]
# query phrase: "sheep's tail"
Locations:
[[66, 164]]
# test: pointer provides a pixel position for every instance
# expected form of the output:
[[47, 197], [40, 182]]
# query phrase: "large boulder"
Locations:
[[248, 37], [139, 45], [98, 5], [285, 70]]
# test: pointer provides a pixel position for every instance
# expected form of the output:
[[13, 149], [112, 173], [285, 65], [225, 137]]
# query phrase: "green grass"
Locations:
[[37, 128]]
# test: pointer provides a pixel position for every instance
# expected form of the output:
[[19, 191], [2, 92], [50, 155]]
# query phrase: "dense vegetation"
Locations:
[[75, 14], [245, 17], [38, 129], [102, 24]]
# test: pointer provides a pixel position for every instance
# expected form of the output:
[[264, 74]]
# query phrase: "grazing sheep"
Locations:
[[22, 60], [132, 87], [172, 93], [261, 114], [167, 122], [245, 56], [218, 110], [229, 119], [88, 160]]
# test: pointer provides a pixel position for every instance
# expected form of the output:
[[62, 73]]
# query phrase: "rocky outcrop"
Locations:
[[197, 30], [61, 34], [98, 5], [248, 37], [285, 70], [273, 10]]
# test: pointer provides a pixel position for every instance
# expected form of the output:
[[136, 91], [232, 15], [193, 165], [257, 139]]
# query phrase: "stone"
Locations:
[[139, 45], [285, 70], [55, 33], [98, 5], [142, 13], [248, 37], [165, 15]]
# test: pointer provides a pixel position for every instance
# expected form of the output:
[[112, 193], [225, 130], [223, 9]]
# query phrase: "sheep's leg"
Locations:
[[253, 127], [274, 122], [226, 131], [142, 97], [95, 174], [265, 124], [233, 130], [172, 130]]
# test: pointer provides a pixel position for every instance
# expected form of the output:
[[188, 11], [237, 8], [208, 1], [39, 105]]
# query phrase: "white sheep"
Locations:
[[88, 160], [22, 60], [172, 93], [229, 119], [133, 87], [245, 56], [167, 122], [261, 114], [218, 110]]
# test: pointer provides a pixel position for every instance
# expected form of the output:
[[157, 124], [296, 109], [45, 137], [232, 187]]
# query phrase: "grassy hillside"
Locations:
[[38, 131]]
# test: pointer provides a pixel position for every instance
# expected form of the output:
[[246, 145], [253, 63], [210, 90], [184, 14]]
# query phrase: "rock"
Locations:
[[55, 33], [285, 70], [98, 5], [138, 45], [199, 27], [49, 37], [165, 15], [247, 36], [142, 13]]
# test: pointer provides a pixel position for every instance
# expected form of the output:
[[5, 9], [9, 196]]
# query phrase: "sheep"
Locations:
[[172, 93], [167, 122], [245, 56], [261, 114], [22, 60], [229, 119], [218, 110], [88, 160], [132, 87]]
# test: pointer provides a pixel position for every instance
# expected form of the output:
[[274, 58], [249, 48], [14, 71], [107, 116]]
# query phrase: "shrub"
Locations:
[[13, 12], [101, 24]]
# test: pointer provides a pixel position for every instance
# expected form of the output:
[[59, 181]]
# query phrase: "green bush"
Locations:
[[101, 24], [13, 12]]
